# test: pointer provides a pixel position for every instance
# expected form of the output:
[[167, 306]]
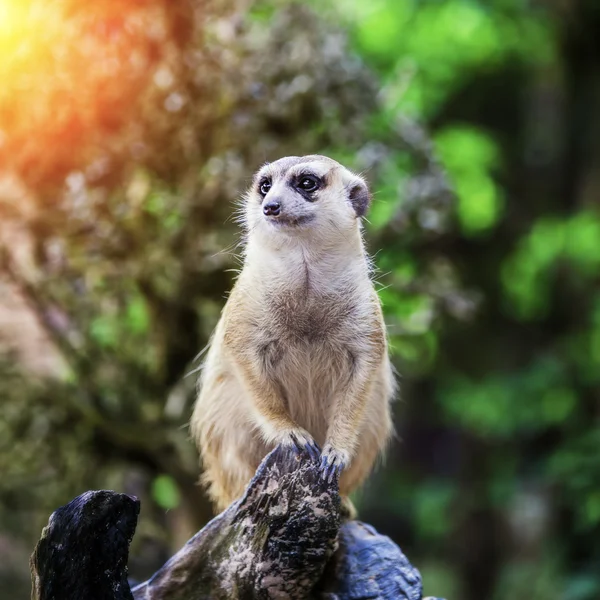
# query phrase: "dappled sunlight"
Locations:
[[85, 67]]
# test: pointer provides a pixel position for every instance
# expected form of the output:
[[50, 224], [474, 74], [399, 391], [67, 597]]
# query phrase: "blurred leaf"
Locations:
[[557, 404], [575, 467], [105, 331], [583, 241], [528, 273], [165, 492], [426, 49], [470, 156], [138, 319], [503, 405]]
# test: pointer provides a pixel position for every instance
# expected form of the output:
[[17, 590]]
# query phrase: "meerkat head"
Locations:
[[295, 195]]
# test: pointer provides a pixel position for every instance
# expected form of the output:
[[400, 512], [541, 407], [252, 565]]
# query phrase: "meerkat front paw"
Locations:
[[302, 440], [333, 462]]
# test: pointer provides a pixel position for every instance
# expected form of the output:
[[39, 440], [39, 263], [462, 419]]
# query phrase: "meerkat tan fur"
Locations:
[[299, 355]]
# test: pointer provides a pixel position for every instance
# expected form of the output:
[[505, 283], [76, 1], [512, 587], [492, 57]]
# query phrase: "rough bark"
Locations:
[[83, 551], [282, 540]]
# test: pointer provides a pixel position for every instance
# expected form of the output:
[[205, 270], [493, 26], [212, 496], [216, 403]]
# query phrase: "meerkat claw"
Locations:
[[331, 467], [313, 450], [308, 445]]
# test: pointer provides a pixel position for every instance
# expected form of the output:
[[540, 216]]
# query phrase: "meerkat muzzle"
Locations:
[[272, 208]]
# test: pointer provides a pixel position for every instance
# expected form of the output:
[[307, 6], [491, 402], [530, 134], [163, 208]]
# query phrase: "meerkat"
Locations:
[[299, 356]]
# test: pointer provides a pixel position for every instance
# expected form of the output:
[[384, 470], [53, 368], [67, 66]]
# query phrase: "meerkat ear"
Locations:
[[359, 196]]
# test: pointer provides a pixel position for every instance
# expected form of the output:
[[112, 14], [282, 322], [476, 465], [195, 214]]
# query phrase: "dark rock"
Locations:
[[369, 566]]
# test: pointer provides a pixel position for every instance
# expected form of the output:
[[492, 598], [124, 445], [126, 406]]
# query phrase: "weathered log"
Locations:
[[282, 540], [273, 543], [83, 551]]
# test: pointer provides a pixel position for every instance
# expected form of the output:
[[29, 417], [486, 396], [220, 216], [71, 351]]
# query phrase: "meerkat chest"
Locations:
[[305, 354], [310, 318], [307, 342]]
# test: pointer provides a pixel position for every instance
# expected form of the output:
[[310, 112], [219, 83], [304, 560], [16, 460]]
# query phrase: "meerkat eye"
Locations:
[[308, 184], [264, 187]]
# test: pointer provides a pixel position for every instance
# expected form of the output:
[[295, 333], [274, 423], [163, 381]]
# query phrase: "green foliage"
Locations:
[[118, 324], [429, 49], [471, 157], [505, 405], [529, 272], [165, 492], [575, 467]]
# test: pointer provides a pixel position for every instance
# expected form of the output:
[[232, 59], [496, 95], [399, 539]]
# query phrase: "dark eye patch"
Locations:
[[306, 184], [264, 186]]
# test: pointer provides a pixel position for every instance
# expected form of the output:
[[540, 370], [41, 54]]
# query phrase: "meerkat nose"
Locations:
[[272, 208]]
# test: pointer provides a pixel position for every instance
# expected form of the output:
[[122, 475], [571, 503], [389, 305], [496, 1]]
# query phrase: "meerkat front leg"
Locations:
[[253, 367], [351, 401], [276, 426], [349, 406]]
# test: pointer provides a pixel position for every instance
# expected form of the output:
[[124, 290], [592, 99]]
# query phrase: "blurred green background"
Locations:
[[127, 132]]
